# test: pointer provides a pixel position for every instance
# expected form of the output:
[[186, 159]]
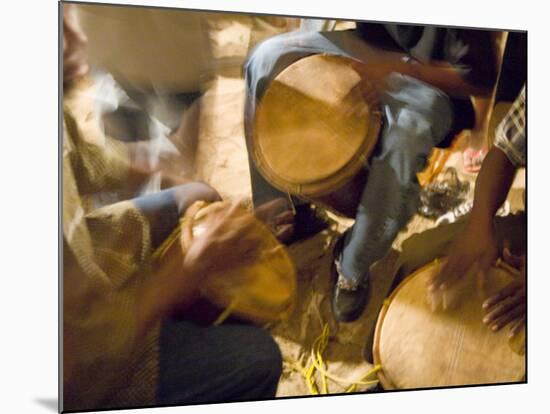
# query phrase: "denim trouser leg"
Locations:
[[216, 363], [416, 118]]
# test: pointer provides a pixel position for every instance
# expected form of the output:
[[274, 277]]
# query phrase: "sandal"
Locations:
[[472, 159]]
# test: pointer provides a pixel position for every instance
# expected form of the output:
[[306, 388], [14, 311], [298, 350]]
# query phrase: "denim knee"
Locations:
[[425, 101]]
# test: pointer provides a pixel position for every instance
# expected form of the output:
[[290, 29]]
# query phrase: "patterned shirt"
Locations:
[[106, 260], [510, 134]]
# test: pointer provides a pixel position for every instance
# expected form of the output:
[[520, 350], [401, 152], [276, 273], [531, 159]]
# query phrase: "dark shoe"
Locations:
[[348, 301]]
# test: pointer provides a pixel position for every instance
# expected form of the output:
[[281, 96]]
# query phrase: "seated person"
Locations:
[[423, 107], [477, 245], [121, 348]]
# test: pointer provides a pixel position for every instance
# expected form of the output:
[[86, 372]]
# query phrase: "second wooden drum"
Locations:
[[419, 348]]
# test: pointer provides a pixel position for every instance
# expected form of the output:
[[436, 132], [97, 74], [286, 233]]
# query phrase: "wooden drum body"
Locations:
[[419, 348], [315, 128]]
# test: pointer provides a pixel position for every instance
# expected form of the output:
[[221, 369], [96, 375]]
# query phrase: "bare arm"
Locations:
[[477, 244], [158, 297], [440, 75], [228, 238], [492, 186]]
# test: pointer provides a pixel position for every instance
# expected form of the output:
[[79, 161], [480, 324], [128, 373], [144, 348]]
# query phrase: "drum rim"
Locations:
[[326, 185], [383, 377]]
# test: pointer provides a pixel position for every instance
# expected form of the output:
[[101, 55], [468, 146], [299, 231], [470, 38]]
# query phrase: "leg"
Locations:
[[216, 364], [417, 117]]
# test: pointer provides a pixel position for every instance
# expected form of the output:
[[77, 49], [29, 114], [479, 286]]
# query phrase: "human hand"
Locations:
[[75, 60], [278, 217], [507, 307], [475, 250], [228, 239]]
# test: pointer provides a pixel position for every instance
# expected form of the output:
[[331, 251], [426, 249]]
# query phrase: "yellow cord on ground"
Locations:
[[317, 364]]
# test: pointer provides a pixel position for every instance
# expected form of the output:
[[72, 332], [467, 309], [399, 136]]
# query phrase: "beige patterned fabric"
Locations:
[[106, 260], [510, 134]]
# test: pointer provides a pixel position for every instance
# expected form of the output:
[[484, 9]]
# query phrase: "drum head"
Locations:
[[261, 290], [418, 348], [315, 125]]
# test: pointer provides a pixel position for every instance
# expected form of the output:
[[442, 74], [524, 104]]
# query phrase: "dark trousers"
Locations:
[[211, 364]]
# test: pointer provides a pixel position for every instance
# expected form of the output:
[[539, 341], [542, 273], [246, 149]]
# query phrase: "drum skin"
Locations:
[[260, 290], [419, 348], [315, 126]]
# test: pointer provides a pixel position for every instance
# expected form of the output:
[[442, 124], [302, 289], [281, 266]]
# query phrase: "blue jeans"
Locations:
[[416, 115]]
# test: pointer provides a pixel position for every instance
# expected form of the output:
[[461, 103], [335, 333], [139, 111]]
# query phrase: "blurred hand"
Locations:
[[278, 217], [75, 60], [475, 249], [228, 239], [507, 307]]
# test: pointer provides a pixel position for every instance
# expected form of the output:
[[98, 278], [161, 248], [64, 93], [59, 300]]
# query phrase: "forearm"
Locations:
[[442, 76], [159, 297], [449, 80], [483, 106], [492, 185]]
